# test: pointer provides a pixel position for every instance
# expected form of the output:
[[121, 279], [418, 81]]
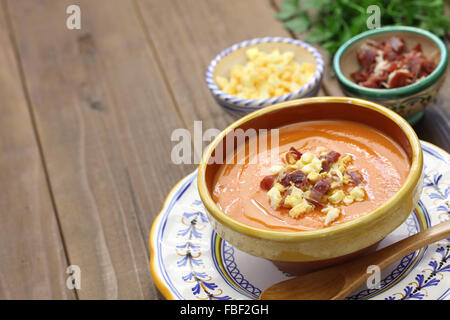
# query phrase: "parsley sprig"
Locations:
[[332, 22]]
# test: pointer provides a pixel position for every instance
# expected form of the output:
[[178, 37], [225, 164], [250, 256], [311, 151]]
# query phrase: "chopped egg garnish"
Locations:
[[348, 200], [336, 197], [357, 193], [302, 207], [308, 182], [275, 197], [332, 214], [307, 158], [294, 198], [276, 169], [266, 75], [313, 176]]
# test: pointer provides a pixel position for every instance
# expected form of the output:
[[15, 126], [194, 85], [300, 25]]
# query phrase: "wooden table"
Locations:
[[86, 118]]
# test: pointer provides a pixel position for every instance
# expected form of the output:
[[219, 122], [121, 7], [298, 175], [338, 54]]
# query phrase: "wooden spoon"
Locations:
[[339, 281]]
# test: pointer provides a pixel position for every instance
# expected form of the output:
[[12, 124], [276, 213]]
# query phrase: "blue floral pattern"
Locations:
[[190, 252], [415, 290], [438, 192]]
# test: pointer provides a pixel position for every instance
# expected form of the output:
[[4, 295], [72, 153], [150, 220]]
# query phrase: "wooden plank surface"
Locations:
[[105, 117], [32, 258], [188, 34]]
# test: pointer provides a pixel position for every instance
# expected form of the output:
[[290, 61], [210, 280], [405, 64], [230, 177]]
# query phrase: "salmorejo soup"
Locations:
[[324, 173]]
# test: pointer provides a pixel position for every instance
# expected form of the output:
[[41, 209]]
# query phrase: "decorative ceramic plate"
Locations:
[[190, 261]]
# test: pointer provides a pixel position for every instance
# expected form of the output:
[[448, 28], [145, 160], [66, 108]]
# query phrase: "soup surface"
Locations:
[[381, 166]]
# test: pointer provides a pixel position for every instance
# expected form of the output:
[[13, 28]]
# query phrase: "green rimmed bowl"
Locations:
[[409, 101]]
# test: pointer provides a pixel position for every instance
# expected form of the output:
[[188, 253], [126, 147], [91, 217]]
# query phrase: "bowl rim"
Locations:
[[395, 92], [258, 103], [298, 236]]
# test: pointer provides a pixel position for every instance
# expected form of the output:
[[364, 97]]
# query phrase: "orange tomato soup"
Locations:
[[381, 162]]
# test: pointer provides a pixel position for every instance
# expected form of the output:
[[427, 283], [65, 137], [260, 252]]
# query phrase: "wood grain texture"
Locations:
[[32, 259], [188, 34], [105, 118]]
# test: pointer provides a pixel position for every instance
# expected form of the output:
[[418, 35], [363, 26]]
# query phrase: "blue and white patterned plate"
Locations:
[[189, 260]]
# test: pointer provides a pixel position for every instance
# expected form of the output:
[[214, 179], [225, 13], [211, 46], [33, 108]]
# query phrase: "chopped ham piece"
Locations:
[[330, 158], [319, 189], [367, 57], [417, 48], [293, 155], [298, 178], [400, 78], [393, 48], [390, 64], [359, 76], [355, 176], [374, 80], [267, 182], [428, 67], [397, 44], [415, 64]]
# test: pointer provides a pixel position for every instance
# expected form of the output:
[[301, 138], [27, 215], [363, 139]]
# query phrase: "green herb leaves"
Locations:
[[299, 24], [289, 8], [293, 18], [332, 22]]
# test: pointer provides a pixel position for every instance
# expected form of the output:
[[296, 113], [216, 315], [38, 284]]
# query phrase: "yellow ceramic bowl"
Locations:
[[317, 247]]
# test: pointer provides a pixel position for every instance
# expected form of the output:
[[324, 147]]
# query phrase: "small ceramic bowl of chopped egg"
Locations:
[[260, 72]]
